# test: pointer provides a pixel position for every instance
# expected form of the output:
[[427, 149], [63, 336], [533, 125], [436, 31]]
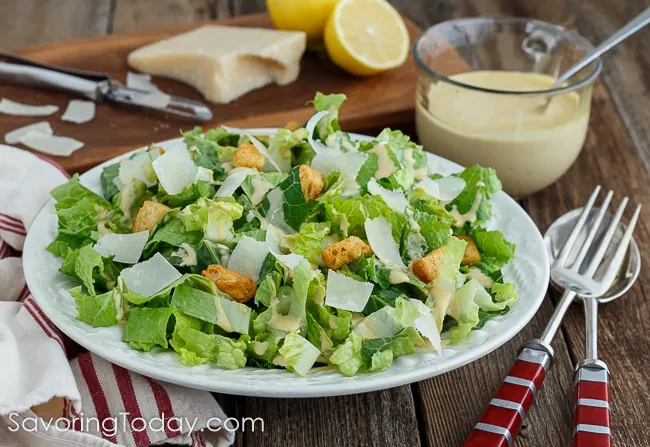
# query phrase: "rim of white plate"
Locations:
[[529, 270]]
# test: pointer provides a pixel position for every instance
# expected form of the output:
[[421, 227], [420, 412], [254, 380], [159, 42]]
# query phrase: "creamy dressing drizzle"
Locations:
[[469, 216], [386, 166], [260, 187], [222, 320], [398, 277], [284, 322], [478, 275], [119, 308]]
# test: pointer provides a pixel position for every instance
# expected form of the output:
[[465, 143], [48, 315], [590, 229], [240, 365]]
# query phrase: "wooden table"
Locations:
[[441, 411]]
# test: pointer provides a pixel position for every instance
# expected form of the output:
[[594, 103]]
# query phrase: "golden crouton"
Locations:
[[247, 156], [471, 255], [159, 150], [426, 269], [311, 182], [292, 126], [149, 215], [240, 287], [344, 252]]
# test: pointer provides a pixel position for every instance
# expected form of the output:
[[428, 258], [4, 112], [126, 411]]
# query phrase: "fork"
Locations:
[[587, 276]]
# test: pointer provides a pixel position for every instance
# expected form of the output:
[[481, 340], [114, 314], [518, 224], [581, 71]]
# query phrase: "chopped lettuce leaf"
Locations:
[[299, 355], [98, 310], [147, 327], [308, 241]]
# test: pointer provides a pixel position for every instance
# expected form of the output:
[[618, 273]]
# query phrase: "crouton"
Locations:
[[426, 269], [471, 255], [149, 215], [345, 252], [247, 156], [292, 126], [311, 182], [240, 287], [156, 149]]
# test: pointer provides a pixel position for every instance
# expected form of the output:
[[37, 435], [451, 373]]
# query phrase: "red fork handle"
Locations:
[[500, 423], [591, 417]]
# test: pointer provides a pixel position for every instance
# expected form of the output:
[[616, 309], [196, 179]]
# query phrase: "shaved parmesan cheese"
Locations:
[[48, 144], [247, 257], [317, 145], [9, 107], [379, 234], [255, 133], [347, 163], [175, 170], [156, 100], [257, 143], [149, 277], [425, 324], [445, 189], [291, 260], [346, 293], [394, 199], [275, 213], [138, 167], [127, 248], [141, 81], [79, 112], [234, 181], [14, 136]]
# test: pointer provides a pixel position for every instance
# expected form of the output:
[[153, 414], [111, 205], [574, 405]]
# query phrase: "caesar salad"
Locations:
[[291, 249]]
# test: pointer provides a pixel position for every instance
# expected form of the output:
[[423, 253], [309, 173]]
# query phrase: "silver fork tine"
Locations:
[[619, 256], [607, 238], [571, 240], [593, 231]]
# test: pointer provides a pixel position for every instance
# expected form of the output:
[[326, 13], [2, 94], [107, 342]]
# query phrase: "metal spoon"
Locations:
[[629, 29], [558, 233], [592, 409]]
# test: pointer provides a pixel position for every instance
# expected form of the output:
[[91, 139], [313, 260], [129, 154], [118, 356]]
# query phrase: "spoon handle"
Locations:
[[592, 417], [630, 28]]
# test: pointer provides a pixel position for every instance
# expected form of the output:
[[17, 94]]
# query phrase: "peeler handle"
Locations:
[[36, 76]]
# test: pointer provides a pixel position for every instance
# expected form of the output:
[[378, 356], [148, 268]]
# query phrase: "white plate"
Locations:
[[529, 270]]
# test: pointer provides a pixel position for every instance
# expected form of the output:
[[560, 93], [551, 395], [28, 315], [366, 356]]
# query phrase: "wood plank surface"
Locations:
[[441, 411], [24, 23]]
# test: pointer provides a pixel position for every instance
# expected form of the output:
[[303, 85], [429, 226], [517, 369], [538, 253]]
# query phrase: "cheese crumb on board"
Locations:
[[9, 107], [79, 111], [49, 144], [15, 135], [140, 81], [224, 62]]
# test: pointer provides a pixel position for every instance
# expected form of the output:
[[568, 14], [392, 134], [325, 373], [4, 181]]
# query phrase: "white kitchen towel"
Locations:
[[101, 404]]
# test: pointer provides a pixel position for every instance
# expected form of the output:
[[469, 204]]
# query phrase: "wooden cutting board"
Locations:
[[384, 100]]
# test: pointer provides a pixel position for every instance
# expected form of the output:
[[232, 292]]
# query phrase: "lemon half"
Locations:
[[309, 16], [366, 37]]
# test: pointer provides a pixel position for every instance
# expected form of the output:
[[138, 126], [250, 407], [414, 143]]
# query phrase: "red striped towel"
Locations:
[[93, 402]]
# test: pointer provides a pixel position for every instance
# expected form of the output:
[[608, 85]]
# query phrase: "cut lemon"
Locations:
[[366, 37], [309, 16]]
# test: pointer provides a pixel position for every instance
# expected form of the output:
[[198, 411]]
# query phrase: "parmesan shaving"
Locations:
[[9, 107], [79, 112], [49, 144], [42, 127]]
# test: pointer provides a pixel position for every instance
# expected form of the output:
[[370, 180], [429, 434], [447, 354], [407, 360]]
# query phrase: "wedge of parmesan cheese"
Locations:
[[224, 62]]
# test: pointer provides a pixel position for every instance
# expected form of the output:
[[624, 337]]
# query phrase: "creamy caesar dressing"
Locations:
[[345, 225], [260, 347], [441, 293], [409, 163], [285, 323], [415, 227], [470, 216], [530, 144], [398, 277], [260, 187], [187, 254], [386, 166], [478, 275], [222, 320], [357, 318], [119, 307]]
